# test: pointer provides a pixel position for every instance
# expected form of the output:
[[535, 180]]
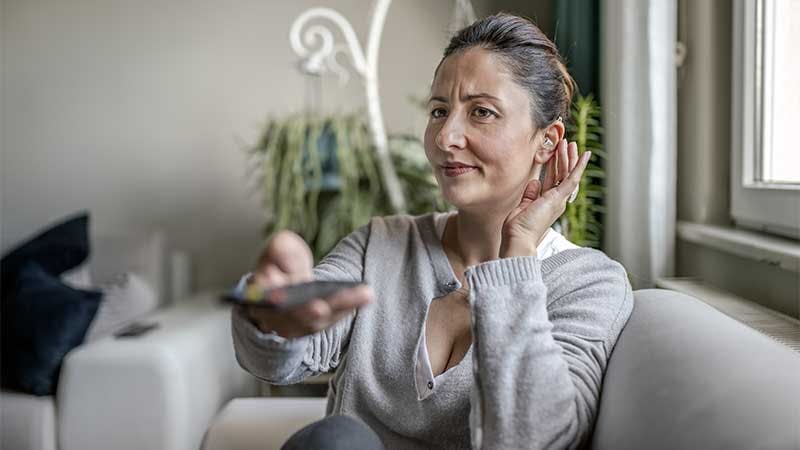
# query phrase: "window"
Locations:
[[765, 182], [780, 156]]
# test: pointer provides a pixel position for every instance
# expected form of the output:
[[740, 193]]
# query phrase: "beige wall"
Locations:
[[139, 111], [704, 117]]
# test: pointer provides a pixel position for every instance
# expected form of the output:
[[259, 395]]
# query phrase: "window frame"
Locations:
[[755, 204]]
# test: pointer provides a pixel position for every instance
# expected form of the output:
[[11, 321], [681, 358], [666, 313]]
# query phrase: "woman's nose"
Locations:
[[450, 137]]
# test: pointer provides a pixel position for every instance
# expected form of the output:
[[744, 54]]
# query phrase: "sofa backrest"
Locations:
[[685, 376]]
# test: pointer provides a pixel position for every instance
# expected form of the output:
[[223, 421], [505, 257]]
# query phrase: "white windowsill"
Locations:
[[775, 251]]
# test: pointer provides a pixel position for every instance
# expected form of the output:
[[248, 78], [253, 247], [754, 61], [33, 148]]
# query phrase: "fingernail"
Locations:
[[588, 156]]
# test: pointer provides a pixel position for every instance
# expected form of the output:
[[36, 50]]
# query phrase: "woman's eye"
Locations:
[[484, 113], [437, 113]]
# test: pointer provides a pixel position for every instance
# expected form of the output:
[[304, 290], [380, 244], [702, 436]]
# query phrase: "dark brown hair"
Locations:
[[532, 59]]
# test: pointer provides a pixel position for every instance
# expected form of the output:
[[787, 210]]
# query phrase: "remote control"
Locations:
[[288, 296]]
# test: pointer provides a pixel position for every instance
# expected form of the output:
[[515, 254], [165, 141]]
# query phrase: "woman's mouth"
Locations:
[[456, 169]]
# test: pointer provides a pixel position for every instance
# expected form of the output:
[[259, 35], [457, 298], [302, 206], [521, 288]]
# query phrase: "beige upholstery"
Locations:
[[682, 376], [248, 423], [27, 421]]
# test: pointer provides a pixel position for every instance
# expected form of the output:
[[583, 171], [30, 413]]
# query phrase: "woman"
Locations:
[[482, 327]]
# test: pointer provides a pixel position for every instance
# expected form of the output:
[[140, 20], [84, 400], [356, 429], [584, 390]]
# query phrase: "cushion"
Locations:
[[42, 321], [56, 250], [143, 253], [78, 277], [126, 298]]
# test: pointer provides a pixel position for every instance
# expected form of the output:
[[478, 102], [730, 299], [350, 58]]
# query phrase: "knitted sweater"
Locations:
[[542, 333]]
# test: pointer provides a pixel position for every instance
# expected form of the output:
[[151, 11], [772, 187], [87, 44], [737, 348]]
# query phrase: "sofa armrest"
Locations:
[[264, 423], [160, 390], [683, 375]]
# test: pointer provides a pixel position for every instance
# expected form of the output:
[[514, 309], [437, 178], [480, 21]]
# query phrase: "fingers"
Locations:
[[269, 276], [319, 313], [565, 188], [573, 156], [550, 172], [290, 254], [536, 169], [316, 310], [561, 164], [573, 162], [532, 191], [285, 259], [562, 161], [307, 319], [526, 223]]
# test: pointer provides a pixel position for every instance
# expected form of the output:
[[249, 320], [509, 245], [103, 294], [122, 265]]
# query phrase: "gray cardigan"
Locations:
[[542, 334]]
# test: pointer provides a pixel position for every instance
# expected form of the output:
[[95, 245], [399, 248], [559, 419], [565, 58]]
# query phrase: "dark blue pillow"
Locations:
[[57, 249], [42, 322]]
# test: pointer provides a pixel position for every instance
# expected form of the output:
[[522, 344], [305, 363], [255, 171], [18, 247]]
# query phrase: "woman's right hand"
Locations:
[[287, 260]]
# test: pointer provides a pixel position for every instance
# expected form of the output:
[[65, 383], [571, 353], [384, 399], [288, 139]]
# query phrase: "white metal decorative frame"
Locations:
[[322, 59]]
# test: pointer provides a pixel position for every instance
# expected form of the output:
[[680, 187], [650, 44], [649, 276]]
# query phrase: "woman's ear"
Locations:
[[551, 136]]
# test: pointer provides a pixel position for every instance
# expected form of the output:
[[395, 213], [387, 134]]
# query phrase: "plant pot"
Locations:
[[327, 149]]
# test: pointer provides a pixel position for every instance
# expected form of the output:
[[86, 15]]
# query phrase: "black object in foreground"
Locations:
[[136, 329], [288, 296]]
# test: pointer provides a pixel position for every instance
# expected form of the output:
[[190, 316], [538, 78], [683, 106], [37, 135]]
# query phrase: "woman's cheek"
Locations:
[[429, 142]]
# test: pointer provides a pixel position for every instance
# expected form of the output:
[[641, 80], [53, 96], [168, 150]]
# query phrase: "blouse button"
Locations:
[[430, 384]]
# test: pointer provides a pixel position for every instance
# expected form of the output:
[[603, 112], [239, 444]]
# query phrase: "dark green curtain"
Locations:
[[577, 36]]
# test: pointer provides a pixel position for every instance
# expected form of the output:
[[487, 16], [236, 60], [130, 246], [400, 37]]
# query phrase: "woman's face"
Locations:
[[480, 139]]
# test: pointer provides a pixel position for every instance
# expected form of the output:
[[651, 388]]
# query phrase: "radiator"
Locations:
[[774, 324]]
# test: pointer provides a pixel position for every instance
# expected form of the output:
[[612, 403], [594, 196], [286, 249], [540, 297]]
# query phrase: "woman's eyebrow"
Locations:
[[466, 97]]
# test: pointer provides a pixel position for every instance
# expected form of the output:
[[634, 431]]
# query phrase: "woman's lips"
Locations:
[[454, 171]]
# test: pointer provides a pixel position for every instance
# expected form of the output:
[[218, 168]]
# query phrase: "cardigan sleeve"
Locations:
[[539, 366], [279, 360]]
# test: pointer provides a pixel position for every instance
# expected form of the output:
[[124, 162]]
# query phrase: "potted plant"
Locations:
[[320, 177]]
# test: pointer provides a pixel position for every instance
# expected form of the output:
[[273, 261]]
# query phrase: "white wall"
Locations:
[[138, 111]]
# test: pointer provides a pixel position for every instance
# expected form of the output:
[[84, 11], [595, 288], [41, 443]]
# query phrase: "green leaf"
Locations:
[[584, 216]]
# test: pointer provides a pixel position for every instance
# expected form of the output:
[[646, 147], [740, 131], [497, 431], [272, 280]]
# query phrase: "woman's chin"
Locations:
[[473, 195], [464, 200], [460, 199]]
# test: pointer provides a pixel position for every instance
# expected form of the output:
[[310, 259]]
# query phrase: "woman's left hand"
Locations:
[[541, 206]]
